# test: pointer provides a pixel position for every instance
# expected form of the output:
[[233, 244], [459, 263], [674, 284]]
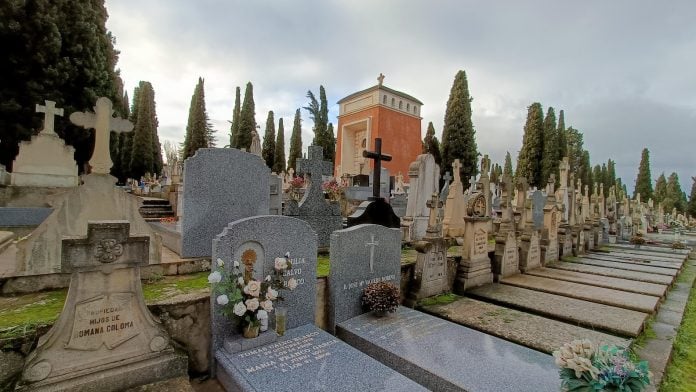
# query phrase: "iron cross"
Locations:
[[372, 245], [378, 157]]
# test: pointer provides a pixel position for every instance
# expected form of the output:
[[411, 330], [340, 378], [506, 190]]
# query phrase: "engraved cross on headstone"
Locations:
[[372, 245], [103, 123], [107, 246], [315, 166], [378, 158], [50, 110]]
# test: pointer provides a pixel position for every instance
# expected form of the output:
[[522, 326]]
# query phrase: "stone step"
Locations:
[[613, 272], [650, 253], [609, 257], [537, 332], [626, 266], [588, 314], [153, 200], [622, 299], [156, 210], [632, 286]]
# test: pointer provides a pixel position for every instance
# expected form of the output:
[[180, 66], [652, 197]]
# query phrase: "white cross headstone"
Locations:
[[50, 110], [103, 123]]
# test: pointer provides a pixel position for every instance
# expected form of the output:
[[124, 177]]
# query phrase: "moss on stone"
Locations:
[[323, 266], [442, 299], [680, 375]]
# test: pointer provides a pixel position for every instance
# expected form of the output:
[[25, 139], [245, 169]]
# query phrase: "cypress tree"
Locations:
[[156, 146], [458, 135], [611, 174], [247, 121], [643, 179], [295, 141], [319, 113], [550, 159], [331, 143], [279, 153], [561, 140], [431, 145], [660, 188], [56, 51], [605, 177], [269, 144], [234, 127], [674, 197], [574, 143], [507, 170], [529, 160], [597, 175], [691, 207], [585, 169], [142, 158], [198, 126]]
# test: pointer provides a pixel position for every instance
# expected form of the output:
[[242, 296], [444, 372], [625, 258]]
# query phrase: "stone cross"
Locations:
[[103, 123], [107, 246], [378, 158], [472, 184], [315, 166], [372, 245], [434, 203], [551, 185], [50, 111], [485, 166], [563, 169], [448, 177], [506, 205], [380, 78]]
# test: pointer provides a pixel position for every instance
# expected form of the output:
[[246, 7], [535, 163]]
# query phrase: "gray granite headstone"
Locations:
[[322, 215], [538, 203], [444, 356], [263, 238], [360, 255], [383, 183], [222, 186], [305, 358], [276, 194], [105, 339]]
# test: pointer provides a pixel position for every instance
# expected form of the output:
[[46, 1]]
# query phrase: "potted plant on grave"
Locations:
[[612, 236], [678, 245], [332, 190], [587, 367], [296, 187], [248, 301], [381, 298], [637, 240]]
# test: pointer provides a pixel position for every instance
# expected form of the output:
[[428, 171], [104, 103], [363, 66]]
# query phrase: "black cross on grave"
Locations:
[[108, 246], [378, 158], [315, 166]]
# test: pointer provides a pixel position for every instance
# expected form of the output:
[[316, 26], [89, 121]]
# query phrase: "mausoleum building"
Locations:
[[377, 112]]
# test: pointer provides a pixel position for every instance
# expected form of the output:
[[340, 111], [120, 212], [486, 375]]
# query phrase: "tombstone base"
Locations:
[[377, 212], [473, 273], [161, 367]]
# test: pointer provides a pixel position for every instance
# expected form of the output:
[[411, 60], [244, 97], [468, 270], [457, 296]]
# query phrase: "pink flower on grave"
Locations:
[[267, 305], [292, 283], [252, 304], [271, 294], [281, 263], [253, 288]]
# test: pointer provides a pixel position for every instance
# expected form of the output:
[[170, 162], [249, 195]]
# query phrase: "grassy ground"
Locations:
[[680, 375]]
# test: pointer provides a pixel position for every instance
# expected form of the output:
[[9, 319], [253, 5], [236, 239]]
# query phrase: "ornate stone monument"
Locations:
[[105, 339]]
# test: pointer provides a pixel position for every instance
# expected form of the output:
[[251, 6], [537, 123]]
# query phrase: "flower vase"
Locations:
[[281, 319], [251, 331]]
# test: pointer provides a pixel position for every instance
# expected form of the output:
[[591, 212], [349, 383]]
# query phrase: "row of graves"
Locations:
[[532, 270]]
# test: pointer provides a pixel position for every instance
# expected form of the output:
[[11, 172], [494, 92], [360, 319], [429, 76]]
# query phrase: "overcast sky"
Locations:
[[623, 71]]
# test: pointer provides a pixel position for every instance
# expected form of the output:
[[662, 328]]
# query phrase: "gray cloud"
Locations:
[[621, 70]]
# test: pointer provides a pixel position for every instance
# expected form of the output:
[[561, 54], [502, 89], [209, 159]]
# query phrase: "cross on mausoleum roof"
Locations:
[[50, 111]]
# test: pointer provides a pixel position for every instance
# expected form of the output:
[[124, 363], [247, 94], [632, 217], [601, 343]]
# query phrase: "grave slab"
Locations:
[[639, 302], [444, 356], [537, 332], [653, 263], [307, 359], [657, 290], [651, 248], [627, 266], [608, 318], [647, 255], [613, 272]]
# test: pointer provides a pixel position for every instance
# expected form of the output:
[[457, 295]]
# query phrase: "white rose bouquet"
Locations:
[[248, 301]]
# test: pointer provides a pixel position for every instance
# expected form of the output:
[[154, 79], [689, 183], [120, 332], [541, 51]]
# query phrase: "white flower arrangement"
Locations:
[[248, 301]]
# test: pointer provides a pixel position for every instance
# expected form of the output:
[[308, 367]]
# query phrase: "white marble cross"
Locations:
[[50, 111], [372, 245], [103, 123]]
